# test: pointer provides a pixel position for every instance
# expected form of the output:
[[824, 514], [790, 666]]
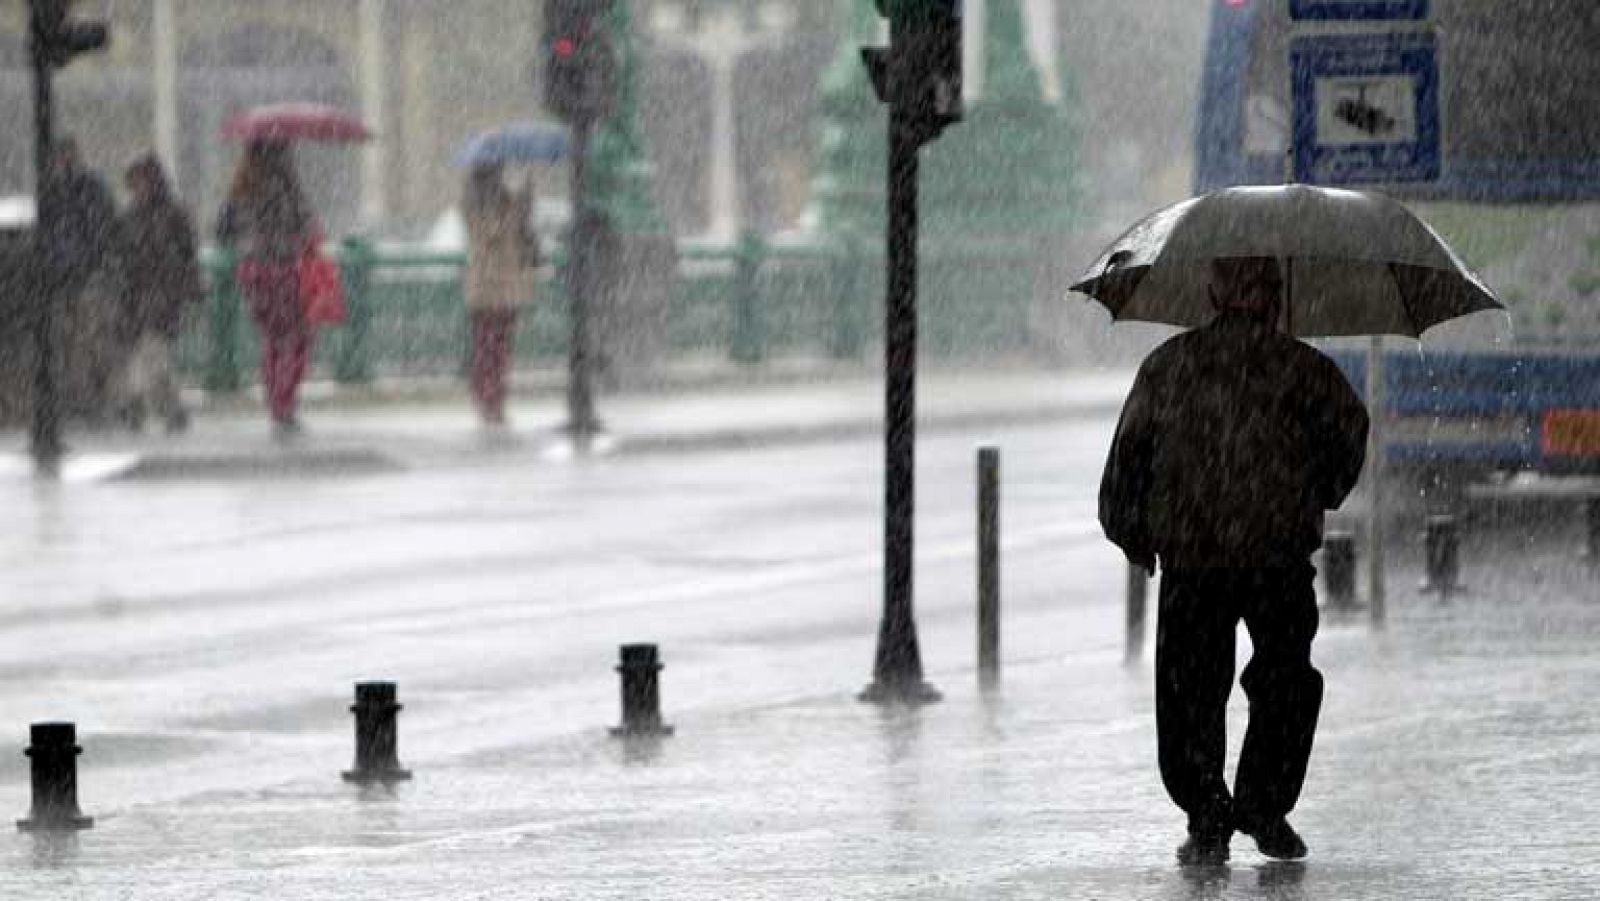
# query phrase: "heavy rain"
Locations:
[[916, 449]]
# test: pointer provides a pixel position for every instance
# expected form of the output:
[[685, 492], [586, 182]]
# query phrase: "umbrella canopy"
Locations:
[[295, 122], [521, 142], [1356, 263]]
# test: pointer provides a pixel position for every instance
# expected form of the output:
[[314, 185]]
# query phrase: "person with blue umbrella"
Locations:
[[502, 256]]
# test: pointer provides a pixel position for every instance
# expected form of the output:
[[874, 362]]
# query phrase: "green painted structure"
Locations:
[[621, 174], [997, 189]]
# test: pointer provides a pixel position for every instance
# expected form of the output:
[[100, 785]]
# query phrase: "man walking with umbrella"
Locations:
[[1234, 441]]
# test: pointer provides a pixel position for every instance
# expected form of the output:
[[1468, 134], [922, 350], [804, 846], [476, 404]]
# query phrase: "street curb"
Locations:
[[266, 463], [368, 459], [734, 439]]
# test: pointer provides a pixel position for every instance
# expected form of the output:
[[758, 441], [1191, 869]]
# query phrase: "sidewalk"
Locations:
[[346, 436]]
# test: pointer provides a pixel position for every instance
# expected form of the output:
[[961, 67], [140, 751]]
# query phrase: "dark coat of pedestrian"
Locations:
[[502, 253], [160, 260], [77, 239], [80, 234], [1234, 441], [161, 280]]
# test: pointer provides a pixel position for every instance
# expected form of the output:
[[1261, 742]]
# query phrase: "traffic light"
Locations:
[[920, 72], [56, 39], [580, 77]]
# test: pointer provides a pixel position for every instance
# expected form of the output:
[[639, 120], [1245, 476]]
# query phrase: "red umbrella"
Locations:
[[295, 122]]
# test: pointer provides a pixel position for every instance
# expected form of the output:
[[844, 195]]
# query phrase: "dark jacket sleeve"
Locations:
[[1339, 424], [189, 280], [228, 225], [1125, 486]]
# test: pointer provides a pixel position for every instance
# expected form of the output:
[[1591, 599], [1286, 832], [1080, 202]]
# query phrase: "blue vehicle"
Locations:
[[1455, 409]]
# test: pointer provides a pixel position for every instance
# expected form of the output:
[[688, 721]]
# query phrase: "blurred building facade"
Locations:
[[428, 73]]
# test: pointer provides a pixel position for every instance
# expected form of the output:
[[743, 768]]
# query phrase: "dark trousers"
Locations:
[[1200, 612], [272, 291]]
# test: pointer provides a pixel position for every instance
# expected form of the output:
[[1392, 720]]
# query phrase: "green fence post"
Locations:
[[222, 364], [848, 338], [353, 363], [749, 325]]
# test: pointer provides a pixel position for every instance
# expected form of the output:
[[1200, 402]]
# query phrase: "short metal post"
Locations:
[[377, 735], [1339, 569], [849, 286], [1138, 594], [749, 345], [1594, 530], [223, 375], [988, 567], [1443, 554], [353, 363], [641, 692], [54, 752]]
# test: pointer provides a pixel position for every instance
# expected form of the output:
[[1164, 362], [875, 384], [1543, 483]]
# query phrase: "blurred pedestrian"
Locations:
[[267, 220], [78, 245], [161, 272], [502, 254], [1233, 442]]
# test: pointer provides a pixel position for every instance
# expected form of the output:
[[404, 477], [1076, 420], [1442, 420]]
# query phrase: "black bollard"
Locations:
[[54, 752], [1138, 592], [377, 735], [1339, 569], [988, 567], [1443, 552], [641, 693]]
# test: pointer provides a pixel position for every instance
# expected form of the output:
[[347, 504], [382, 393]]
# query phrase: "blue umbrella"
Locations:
[[520, 142]]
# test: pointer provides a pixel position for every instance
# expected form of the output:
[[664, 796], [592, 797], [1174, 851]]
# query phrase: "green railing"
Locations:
[[749, 303]]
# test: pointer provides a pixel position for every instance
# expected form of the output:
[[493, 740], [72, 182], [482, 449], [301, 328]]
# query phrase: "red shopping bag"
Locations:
[[320, 291]]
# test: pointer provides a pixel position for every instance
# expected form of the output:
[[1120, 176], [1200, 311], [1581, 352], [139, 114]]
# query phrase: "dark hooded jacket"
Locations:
[[80, 236], [1233, 442], [160, 266]]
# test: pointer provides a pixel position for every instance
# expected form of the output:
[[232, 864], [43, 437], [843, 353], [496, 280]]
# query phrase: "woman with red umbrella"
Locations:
[[268, 222]]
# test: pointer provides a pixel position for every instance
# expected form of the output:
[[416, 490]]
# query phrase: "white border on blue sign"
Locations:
[[1399, 53], [1358, 9]]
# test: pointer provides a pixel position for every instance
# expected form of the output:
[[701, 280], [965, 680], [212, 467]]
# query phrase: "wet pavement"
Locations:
[[357, 434], [204, 635]]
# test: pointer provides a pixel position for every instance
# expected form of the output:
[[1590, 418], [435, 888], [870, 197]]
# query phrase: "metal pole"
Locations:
[[46, 427], [989, 567], [581, 422], [897, 667], [374, 71], [1375, 403], [164, 75]]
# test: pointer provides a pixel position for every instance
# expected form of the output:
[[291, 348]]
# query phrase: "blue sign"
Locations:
[[1365, 108], [1358, 9]]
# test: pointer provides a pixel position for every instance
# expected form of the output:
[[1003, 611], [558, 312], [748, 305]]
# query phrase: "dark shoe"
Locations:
[[1208, 849], [1276, 838], [178, 422], [132, 417]]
